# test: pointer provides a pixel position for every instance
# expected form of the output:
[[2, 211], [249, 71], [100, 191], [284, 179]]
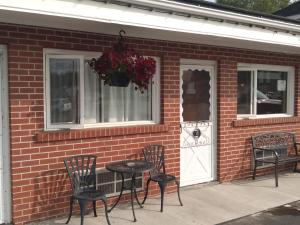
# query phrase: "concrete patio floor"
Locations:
[[203, 204]]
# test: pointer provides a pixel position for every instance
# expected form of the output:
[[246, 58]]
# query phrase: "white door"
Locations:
[[197, 155], [5, 196]]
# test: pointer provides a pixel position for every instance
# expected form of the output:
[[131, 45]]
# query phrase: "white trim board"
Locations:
[[108, 18], [91, 9], [215, 13], [5, 177]]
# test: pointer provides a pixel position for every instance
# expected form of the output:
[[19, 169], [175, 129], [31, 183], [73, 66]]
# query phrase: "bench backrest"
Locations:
[[274, 140]]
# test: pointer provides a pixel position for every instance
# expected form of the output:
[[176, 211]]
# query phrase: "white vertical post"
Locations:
[[1, 148], [5, 180]]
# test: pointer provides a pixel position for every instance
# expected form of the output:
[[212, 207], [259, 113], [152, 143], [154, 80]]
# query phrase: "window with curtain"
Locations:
[[76, 97], [264, 91]]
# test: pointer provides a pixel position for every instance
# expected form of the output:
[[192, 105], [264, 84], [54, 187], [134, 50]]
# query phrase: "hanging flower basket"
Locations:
[[119, 66], [119, 79]]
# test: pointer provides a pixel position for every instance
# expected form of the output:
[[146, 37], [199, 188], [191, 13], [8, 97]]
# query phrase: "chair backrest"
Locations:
[[82, 172], [156, 155], [279, 141]]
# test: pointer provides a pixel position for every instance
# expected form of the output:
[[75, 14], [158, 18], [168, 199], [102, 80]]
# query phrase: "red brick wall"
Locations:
[[39, 184]]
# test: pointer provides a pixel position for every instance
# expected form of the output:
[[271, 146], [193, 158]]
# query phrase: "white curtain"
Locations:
[[91, 96], [105, 103], [138, 105], [113, 103], [125, 104]]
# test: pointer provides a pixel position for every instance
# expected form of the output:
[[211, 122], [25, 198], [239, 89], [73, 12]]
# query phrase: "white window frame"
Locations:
[[82, 56], [253, 68]]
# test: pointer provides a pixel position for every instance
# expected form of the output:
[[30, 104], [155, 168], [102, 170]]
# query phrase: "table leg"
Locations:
[[135, 194], [120, 195], [131, 191]]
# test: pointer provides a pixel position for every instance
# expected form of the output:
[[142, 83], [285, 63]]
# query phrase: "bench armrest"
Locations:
[[267, 149]]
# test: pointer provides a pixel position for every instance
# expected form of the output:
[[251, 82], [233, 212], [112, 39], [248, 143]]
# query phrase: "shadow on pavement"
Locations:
[[288, 214]]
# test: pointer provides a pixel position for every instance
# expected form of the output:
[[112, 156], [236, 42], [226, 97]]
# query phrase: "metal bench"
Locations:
[[280, 148]]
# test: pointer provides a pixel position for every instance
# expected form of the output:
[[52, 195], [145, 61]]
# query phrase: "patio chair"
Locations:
[[156, 155], [82, 173]]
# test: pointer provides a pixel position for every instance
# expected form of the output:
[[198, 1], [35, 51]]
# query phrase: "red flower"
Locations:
[[144, 71], [138, 69]]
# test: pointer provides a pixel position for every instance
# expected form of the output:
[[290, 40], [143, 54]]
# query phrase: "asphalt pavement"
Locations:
[[288, 214]]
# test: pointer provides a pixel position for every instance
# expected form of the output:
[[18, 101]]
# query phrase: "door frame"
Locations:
[[5, 179], [213, 66]]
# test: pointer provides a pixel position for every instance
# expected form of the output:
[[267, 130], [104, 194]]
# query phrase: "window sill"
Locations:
[[264, 121], [61, 135]]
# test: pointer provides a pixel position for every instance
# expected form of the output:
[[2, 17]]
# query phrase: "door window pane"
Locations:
[[64, 90], [196, 95], [244, 92], [271, 92]]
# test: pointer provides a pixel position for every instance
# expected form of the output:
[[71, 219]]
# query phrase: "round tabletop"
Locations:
[[130, 166]]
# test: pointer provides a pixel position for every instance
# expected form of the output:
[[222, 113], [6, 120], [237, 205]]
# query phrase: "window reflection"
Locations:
[[244, 92], [271, 92], [64, 90]]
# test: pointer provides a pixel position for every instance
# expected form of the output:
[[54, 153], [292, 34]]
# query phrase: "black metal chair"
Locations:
[[156, 155], [82, 173]]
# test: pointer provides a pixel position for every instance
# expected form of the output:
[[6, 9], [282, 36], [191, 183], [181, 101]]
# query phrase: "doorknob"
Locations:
[[197, 133]]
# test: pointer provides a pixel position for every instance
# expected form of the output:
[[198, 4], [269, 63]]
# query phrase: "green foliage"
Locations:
[[266, 6]]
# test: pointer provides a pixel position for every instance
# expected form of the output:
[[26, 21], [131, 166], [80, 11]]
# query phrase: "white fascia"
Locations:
[[122, 15], [217, 13]]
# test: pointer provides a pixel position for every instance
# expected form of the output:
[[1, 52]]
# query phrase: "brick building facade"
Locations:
[[39, 185]]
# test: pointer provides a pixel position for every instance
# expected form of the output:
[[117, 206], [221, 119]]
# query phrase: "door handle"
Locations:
[[197, 133]]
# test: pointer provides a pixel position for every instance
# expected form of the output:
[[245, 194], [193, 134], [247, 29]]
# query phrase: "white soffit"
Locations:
[[90, 14]]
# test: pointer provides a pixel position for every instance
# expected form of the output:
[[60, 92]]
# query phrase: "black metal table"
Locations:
[[131, 167]]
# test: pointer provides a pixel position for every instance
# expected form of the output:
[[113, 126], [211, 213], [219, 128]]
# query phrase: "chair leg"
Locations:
[[162, 192], [276, 174], [106, 211], [254, 171], [295, 167], [82, 204], [71, 209], [177, 183], [94, 207], [148, 182]]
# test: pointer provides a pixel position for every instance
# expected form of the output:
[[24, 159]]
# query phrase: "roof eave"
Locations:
[[216, 13]]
